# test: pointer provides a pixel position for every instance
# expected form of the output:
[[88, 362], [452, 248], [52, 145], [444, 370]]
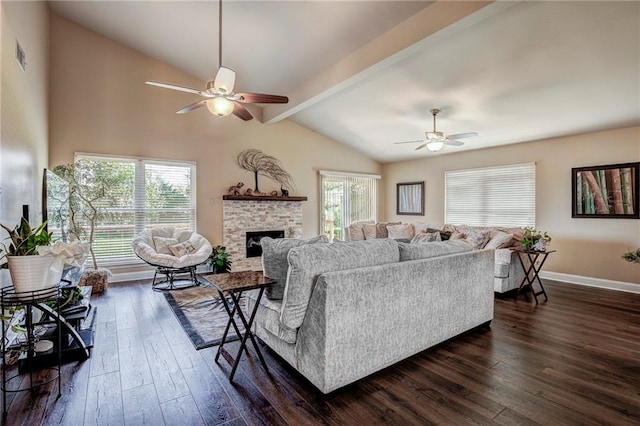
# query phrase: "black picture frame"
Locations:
[[410, 198], [609, 191]]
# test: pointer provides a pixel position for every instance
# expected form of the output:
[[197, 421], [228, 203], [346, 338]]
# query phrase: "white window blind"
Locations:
[[491, 196], [346, 198], [144, 193]]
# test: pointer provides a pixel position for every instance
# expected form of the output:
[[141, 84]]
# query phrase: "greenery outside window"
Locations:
[[491, 196], [346, 198], [148, 193]]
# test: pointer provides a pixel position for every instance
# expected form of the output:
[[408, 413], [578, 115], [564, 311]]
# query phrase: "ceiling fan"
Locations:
[[434, 141], [219, 96]]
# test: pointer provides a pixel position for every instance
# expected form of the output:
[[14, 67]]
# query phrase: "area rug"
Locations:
[[202, 315]]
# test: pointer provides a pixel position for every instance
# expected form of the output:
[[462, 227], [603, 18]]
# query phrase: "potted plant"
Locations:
[[28, 268], [632, 256], [532, 239], [219, 261], [88, 194]]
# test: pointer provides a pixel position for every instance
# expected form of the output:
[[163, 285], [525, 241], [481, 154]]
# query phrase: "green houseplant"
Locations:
[[219, 261], [532, 239], [29, 270], [632, 256]]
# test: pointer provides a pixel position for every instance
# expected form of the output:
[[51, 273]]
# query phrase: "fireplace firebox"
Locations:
[[253, 241]]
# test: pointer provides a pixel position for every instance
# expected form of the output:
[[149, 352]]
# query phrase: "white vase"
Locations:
[[33, 273]]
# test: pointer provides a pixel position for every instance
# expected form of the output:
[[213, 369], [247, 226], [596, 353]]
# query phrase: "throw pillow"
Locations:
[[455, 235], [356, 231], [499, 240], [381, 228], [444, 235], [478, 237], [162, 244], [275, 264], [426, 237], [370, 231], [404, 230], [182, 249]]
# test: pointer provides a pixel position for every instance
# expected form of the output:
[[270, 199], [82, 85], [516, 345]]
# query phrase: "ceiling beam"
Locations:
[[394, 45]]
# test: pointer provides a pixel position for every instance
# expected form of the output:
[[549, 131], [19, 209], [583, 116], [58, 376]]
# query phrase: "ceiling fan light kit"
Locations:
[[220, 98], [434, 141]]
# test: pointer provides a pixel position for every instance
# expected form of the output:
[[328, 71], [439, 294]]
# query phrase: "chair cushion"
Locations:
[[306, 263], [144, 247], [274, 261], [162, 244]]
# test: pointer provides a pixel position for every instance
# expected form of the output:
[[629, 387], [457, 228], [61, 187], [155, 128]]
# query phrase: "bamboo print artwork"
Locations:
[[606, 191]]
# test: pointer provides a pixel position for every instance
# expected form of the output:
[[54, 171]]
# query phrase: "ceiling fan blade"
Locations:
[[225, 79], [241, 112], [261, 98], [420, 147], [174, 87], [400, 143], [462, 135], [193, 106], [452, 142]]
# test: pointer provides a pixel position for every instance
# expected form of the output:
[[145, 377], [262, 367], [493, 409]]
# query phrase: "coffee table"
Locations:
[[234, 284]]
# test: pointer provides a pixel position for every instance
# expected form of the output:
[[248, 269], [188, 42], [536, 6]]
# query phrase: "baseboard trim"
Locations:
[[591, 282]]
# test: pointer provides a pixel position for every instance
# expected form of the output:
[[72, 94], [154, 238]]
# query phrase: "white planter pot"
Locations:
[[32, 273]]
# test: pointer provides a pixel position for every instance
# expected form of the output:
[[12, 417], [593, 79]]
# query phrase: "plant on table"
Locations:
[[632, 256], [219, 260], [532, 239]]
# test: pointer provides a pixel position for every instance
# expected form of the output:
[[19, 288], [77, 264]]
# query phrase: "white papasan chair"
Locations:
[[172, 251]]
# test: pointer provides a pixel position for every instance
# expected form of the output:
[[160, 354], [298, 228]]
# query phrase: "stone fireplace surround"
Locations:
[[242, 214]]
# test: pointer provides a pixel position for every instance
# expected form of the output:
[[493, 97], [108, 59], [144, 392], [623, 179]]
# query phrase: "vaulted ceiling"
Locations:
[[366, 73]]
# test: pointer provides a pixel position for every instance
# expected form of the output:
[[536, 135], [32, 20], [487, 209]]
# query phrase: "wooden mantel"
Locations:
[[261, 198]]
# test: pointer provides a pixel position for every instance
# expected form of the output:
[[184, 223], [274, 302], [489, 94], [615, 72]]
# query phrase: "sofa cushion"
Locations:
[[499, 240], [444, 235], [274, 260], [426, 237], [306, 263], [501, 270], [438, 248], [355, 231], [404, 230], [370, 231]]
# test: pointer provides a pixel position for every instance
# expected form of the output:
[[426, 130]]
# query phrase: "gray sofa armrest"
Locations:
[[362, 320]]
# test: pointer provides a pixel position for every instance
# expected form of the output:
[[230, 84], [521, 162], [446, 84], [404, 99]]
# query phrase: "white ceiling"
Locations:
[[513, 72]]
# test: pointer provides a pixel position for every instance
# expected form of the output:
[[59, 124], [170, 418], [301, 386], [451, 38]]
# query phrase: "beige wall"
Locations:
[[100, 104], [23, 111], [586, 247]]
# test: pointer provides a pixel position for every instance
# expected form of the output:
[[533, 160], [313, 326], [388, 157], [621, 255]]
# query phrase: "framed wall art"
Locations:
[[410, 198], [609, 191]]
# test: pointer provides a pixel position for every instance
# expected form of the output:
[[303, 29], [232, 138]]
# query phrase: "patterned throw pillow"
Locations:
[[370, 231], [163, 244], [381, 228], [478, 237], [444, 235], [499, 240], [404, 230], [356, 231], [455, 235], [182, 249], [426, 237]]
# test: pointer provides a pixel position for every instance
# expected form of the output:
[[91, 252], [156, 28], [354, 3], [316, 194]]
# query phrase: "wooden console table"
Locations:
[[532, 271]]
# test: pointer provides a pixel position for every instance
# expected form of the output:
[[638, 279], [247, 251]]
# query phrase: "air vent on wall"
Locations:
[[21, 58]]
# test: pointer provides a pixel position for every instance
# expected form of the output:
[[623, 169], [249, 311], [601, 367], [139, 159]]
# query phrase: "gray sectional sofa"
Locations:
[[351, 309], [508, 273]]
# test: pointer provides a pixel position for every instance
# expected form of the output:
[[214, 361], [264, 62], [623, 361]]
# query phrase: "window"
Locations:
[[346, 198], [146, 193], [491, 196]]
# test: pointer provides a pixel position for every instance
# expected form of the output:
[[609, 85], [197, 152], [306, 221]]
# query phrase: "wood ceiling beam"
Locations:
[[389, 48]]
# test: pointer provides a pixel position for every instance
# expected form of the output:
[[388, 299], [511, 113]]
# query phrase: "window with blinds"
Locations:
[[491, 196], [346, 198], [143, 193]]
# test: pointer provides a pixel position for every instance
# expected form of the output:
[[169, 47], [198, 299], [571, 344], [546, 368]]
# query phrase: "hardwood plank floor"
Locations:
[[572, 360]]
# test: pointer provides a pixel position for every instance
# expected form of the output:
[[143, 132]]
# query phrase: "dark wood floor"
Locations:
[[573, 360]]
